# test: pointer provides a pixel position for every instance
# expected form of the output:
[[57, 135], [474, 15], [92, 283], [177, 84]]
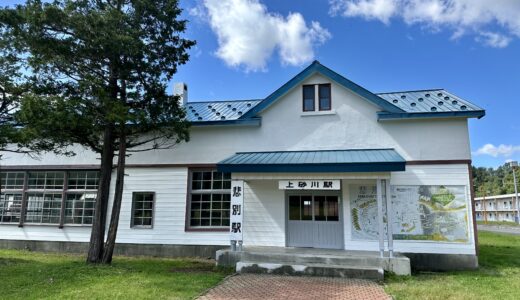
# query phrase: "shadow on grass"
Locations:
[[5, 262], [66, 276]]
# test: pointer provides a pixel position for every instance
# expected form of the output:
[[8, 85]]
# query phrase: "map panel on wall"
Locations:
[[436, 213], [433, 213]]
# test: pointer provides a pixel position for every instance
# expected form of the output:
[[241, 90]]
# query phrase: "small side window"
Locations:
[[142, 209], [308, 98], [324, 96]]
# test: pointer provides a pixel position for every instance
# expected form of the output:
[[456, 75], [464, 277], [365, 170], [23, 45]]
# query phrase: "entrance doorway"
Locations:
[[314, 220]]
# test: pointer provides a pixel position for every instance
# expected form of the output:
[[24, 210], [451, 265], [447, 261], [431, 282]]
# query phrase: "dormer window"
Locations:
[[324, 96], [308, 98], [316, 95]]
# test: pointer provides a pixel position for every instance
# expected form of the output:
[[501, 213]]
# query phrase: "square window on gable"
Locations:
[[324, 96], [308, 98]]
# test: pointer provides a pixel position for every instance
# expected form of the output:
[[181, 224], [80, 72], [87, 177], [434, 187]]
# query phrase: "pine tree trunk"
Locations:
[[97, 236], [118, 197]]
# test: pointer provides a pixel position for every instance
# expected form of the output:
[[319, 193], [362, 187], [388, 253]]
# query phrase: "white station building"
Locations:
[[321, 163]]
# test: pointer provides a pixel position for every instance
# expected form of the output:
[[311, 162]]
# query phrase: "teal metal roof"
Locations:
[[429, 103], [435, 103], [351, 160], [219, 110]]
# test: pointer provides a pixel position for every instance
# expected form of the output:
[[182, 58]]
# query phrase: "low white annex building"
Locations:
[[320, 163], [499, 208]]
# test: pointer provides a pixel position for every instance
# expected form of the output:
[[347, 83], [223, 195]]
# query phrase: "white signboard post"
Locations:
[[315, 184], [236, 213]]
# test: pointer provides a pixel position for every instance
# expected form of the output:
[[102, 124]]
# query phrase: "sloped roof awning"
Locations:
[[321, 161]]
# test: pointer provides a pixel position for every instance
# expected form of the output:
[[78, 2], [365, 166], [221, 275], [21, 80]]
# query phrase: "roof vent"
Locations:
[[420, 99], [234, 109], [213, 110], [463, 107], [196, 114], [249, 105], [440, 103], [218, 114], [395, 101], [446, 98], [229, 105], [439, 94], [240, 113], [427, 95], [222, 118], [209, 106], [413, 104], [434, 108], [403, 97], [190, 107], [454, 102], [199, 118]]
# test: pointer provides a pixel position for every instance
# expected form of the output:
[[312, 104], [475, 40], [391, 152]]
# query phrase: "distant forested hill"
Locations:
[[489, 181]]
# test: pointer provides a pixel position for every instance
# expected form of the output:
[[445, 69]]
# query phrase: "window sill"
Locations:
[[141, 227], [318, 113], [209, 229]]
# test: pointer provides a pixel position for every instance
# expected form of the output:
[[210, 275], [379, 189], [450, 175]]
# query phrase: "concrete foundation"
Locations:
[[308, 261], [442, 262], [160, 250]]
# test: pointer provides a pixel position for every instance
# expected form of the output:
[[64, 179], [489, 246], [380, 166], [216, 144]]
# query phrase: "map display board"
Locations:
[[363, 212], [433, 213]]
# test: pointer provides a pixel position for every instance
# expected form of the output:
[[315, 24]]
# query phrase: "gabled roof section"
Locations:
[[429, 104], [317, 67], [216, 112], [434, 103]]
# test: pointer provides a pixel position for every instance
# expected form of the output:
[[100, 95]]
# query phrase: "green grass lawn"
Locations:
[[32, 275], [497, 278]]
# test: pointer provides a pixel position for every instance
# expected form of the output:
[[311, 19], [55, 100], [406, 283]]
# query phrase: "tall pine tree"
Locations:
[[95, 73]]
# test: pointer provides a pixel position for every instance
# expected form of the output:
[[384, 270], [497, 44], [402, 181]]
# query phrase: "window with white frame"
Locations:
[[46, 195], [142, 209], [12, 180], [210, 198], [11, 186], [10, 207], [81, 197], [43, 208]]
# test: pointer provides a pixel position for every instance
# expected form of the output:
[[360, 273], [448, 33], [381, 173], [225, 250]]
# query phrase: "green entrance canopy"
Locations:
[[320, 161]]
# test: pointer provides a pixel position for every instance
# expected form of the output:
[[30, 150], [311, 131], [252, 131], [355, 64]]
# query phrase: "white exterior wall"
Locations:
[[169, 185], [265, 209], [264, 214]]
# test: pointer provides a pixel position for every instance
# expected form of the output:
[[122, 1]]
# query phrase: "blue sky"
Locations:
[[248, 48]]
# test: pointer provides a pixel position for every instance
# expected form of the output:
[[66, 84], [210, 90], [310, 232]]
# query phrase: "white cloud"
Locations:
[[248, 34], [493, 39], [460, 16], [496, 151], [381, 10]]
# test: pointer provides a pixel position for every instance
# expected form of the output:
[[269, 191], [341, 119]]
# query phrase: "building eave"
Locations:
[[386, 116]]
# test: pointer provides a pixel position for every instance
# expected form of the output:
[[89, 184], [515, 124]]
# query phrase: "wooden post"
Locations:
[[63, 195], [23, 211]]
